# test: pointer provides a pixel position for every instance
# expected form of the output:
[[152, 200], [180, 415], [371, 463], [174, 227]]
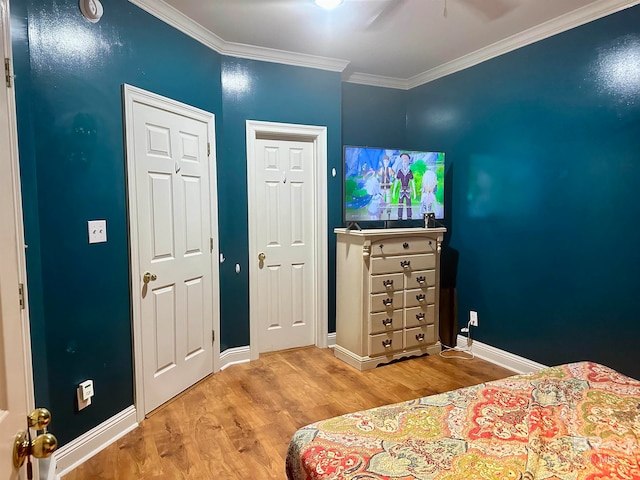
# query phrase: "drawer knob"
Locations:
[[420, 337], [388, 283], [421, 280], [387, 343], [421, 298], [405, 264], [387, 322], [387, 302], [405, 245], [420, 317]]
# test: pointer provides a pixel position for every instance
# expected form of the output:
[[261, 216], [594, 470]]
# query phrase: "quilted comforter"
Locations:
[[571, 422]]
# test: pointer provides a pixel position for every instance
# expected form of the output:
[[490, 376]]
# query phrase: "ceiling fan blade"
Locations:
[[384, 14], [490, 9]]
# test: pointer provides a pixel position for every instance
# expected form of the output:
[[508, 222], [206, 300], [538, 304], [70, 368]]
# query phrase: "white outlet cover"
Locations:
[[97, 231], [82, 403]]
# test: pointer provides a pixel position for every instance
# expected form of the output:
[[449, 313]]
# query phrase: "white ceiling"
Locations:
[[397, 40]]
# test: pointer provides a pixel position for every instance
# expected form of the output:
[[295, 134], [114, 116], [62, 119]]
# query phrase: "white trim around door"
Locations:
[[16, 371], [131, 96], [318, 136]]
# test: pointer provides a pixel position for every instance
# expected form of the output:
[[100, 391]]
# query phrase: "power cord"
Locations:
[[466, 350]]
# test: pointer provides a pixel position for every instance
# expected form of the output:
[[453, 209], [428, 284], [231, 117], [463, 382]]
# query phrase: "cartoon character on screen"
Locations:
[[428, 192], [386, 175], [407, 185], [372, 186]]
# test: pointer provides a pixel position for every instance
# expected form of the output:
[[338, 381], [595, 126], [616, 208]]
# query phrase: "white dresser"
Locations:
[[387, 283]]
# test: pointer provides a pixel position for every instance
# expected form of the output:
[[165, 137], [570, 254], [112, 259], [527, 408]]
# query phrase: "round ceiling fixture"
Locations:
[[91, 9], [328, 4]]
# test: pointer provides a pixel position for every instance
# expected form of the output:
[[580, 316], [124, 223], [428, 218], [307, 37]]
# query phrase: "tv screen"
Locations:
[[390, 184]]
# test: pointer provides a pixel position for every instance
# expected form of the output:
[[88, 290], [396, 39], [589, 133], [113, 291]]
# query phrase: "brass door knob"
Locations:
[[149, 277], [42, 446], [261, 256], [39, 419]]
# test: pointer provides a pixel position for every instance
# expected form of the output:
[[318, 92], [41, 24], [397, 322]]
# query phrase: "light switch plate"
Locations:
[[97, 231]]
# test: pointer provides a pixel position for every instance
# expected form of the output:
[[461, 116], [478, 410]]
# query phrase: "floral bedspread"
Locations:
[[571, 422]]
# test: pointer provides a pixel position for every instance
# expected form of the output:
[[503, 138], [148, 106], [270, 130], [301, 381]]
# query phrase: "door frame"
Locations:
[[131, 96], [317, 135], [14, 322]]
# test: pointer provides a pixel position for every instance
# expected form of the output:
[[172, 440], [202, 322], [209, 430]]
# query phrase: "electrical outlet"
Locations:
[[473, 318], [84, 393]]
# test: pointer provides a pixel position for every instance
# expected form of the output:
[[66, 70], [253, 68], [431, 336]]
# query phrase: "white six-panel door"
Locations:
[[287, 207], [284, 174], [173, 216]]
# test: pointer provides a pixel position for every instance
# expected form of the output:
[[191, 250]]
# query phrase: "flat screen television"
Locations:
[[391, 184]]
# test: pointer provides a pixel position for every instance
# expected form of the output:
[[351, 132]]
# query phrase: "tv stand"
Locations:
[[353, 226], [388, 292]]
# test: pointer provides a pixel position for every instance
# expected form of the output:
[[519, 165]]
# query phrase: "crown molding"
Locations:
[[175, 18], [377, 81], [273, 55], [171, 16], [581, 16]]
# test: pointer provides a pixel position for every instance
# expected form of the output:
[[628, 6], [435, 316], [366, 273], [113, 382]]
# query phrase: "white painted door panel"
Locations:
[[284, 173], [16, 389], [174, 229]]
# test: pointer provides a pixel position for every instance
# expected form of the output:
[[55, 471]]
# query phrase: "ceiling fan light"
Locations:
[[328, 4]]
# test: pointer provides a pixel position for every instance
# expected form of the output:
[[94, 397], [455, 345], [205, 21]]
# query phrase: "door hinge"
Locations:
[[213, 336], [21, 295], [208, 149], [7, 73], [211, 244]]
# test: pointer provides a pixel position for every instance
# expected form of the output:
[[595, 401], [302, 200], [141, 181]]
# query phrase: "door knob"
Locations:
[[149, 277], [42, 446], [261, 256]]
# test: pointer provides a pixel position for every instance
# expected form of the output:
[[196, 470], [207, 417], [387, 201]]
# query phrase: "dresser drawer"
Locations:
[[411, 263], [418, 336], [387, 283], [420, 316], [386, 302], [420, 279], [385, 321], [402, 246], [384, 343], [418, 297]]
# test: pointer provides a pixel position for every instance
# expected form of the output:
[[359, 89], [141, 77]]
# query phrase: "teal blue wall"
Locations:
[[276, 93], [69, 76], [373, 116], [543, 163], [543, 154], [68, 86]]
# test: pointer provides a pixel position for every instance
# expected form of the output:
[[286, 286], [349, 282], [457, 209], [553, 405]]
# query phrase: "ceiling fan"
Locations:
[[489, 9]]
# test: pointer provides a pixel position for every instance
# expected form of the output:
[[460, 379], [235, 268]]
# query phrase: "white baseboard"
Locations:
[[87, 445], [503, 358], [233, 356], [236, 355]]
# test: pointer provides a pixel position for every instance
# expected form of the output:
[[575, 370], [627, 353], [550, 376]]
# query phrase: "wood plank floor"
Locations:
[[236, 424]]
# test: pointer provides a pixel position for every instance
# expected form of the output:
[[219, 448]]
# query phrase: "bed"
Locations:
[[570, 422]]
